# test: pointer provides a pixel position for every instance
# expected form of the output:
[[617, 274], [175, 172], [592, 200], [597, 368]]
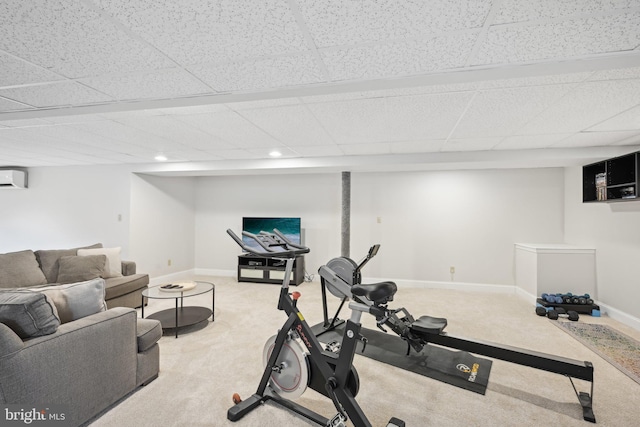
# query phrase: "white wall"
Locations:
[[67, 207], [614, 230], [429, 221], [162, 225]]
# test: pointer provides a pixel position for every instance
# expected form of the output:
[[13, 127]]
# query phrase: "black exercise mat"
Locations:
[[457, 368]]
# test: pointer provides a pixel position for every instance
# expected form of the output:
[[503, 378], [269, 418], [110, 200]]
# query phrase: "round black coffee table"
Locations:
[[180, 316]]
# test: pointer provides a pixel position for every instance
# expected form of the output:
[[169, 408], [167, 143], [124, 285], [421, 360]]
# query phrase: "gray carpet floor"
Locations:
[[200, 370]]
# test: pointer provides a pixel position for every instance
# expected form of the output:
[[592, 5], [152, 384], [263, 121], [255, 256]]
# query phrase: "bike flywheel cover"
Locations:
[[292, 377]]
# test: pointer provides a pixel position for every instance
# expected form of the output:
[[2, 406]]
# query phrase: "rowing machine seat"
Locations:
[[379, 293], [429, 325]]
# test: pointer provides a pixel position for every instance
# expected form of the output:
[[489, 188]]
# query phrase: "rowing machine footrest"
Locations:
[[395, 422], [429, 325]]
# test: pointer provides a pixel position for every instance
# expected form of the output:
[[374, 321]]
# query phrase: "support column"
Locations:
[[346, 214]]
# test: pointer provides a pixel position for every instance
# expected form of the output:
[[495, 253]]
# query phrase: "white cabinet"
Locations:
[[552, 268]]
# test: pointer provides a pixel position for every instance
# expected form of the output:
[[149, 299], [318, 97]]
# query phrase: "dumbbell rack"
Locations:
[[578, 308]]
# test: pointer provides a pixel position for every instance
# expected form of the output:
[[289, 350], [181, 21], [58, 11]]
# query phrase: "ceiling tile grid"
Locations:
[[201, 31], [338, 23], [563, 39], [167, 83], [260, 74], [116, 81], [65, 93], [71, 39]]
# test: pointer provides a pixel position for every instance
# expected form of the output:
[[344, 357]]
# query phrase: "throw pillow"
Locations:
[[28, 314], [76, 300], [48, 260], [114, 262], [72, 269], [20, 269]]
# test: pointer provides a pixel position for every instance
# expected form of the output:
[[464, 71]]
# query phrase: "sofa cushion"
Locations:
[[48, 260], [28, 314], [76, 300], [73, 269], [20, 269], [118, 286], [114, 263], [149, 331]]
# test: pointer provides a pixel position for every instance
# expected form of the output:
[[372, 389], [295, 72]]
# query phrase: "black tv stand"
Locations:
[[252, 268]]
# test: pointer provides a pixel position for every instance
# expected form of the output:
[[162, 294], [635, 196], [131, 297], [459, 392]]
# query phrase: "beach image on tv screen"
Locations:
[[289, 227]]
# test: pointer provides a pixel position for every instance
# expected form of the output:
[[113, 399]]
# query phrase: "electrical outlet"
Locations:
[[169, 262], [379, 220], [452, 270]]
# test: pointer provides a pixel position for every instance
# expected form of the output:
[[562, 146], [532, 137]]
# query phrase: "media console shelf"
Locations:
[[612, 180], [256, 269]]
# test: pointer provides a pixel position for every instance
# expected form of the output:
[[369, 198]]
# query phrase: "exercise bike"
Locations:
[[295, 359], [342, 277]]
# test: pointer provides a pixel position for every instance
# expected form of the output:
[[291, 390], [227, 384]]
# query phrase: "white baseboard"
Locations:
[[215, 272], [620, 316], [612, 312], [458, 286]]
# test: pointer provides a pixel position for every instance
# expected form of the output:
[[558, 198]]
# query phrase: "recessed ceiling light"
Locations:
[[161, 158], [275, 153]]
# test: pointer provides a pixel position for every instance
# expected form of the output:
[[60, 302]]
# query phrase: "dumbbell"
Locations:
[[559, 311], [554, 313], [554, 299]]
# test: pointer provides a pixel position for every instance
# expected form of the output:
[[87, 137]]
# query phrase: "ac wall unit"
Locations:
[[13, 179]]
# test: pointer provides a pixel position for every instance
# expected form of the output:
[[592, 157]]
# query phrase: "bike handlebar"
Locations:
[[268, 242]]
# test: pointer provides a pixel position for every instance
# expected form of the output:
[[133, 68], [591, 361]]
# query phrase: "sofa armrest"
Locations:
[[87, 364], [10, 342], [128, 268]]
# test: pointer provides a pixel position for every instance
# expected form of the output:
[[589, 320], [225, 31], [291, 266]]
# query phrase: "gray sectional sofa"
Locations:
[[29, 269], [70, 345]]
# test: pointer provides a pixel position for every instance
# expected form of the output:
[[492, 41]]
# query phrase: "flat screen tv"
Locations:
[[290, 227]]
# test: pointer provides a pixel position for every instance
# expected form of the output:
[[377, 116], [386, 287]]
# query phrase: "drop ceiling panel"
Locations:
[[231, 128], [155, 84], [560, 39], [337, 22], [391, 119], [470, 144], [171, 134], [291, 125], [123, 133], [527, 142], [586, 106], [627, 120], [518, 11], [319, 150], [55, 94], [500, 112], [201, 31], [15, 71], [291, 70], [427, 146], [376, 148], [592, 139], [9, 105], [72, 39], [396, 59]]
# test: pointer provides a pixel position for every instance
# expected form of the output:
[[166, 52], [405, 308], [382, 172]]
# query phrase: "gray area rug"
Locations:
[[620, 350]]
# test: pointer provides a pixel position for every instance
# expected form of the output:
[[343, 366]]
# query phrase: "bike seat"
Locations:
[[429, 325], [379, 293]]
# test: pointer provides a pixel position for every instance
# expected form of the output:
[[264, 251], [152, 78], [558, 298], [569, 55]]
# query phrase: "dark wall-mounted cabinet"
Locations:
[[611, 180]]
